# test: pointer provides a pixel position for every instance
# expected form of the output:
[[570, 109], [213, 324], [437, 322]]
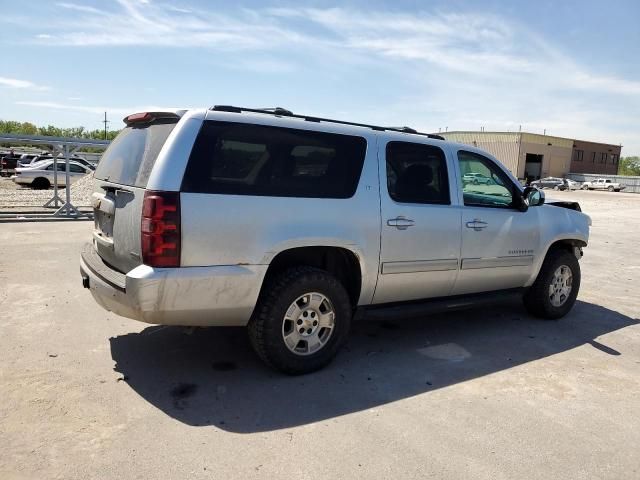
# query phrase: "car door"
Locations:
[[76, 171], [420, 237], [499, 241]]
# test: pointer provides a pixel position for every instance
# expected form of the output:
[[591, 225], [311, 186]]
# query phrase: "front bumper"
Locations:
[[222, 295]]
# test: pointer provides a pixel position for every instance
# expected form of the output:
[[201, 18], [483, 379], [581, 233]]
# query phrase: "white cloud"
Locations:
[[80, 8], [95, 109], [462, 70], [481, 45], [24, 84]]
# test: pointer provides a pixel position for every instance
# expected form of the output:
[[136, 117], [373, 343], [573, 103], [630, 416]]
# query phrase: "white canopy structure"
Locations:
[[64, 148]]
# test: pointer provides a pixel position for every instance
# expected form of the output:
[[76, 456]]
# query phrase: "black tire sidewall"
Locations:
[[280, 295], [41, 183], [539, 293]]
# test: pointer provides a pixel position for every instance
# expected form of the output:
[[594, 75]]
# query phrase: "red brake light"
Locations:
[[138, 117], [160, 229]]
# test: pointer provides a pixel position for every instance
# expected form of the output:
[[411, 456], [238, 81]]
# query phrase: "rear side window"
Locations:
[[417, 173], [246, 159], [130, 157]]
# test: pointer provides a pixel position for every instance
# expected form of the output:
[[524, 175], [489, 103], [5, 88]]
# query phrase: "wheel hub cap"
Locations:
[[560, 286], [308, 323]]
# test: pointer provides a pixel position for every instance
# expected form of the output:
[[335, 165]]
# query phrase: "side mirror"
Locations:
[[531, 197]]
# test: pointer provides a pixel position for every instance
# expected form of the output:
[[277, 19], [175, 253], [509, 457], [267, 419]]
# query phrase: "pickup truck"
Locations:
[[603, 184]]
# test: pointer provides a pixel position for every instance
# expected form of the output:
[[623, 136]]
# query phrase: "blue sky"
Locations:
[[570, 67]]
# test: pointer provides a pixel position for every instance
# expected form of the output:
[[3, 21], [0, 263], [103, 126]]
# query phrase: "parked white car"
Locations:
[[571, 185], [40, 176], [603, 184]]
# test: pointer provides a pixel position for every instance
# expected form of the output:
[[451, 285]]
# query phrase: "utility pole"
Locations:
[[105, 121]]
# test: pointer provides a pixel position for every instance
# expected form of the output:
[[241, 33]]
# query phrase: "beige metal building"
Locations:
[[533, 156]]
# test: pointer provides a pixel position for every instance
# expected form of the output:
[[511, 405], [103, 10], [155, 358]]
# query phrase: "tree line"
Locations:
[[629, 166], [27, 128]]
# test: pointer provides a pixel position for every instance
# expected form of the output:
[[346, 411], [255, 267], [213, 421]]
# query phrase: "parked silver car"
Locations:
[[280, 223]]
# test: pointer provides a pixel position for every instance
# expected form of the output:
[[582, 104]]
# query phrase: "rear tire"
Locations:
[[40, 183], [273, 328], [548, 297]]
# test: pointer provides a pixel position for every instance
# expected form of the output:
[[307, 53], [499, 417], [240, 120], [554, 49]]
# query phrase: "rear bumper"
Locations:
[[189, 296]]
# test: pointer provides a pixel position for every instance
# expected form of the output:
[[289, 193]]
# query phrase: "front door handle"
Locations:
[[477, 225], [401, 223]]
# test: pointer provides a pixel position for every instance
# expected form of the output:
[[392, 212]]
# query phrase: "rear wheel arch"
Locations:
[[40, 183], [340, 262]]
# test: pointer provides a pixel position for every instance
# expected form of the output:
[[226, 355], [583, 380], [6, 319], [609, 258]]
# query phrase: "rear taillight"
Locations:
[[160, 229]]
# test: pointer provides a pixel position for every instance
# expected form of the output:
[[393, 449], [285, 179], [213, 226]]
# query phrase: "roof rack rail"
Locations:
[[283, 112], [404, 129]]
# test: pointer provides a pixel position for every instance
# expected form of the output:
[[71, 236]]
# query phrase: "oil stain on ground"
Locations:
[[181, 393]]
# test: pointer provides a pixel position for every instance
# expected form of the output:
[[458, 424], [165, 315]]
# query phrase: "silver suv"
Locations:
[[291, 225]]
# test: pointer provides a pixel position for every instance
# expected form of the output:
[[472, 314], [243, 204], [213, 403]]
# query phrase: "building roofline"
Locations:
[[482, 132]]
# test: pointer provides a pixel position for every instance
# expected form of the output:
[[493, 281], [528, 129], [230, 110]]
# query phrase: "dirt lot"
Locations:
[[23, 198], [490, 393]]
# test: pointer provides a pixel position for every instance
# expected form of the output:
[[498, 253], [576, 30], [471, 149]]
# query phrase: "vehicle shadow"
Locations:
[[212, 377]]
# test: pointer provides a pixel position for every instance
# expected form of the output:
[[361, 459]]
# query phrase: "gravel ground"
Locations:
[[488, 393], [13, 195]]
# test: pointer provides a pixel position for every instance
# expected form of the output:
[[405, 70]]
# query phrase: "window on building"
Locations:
[[614, 159], [578, 155], [593, 159], [603, 158]]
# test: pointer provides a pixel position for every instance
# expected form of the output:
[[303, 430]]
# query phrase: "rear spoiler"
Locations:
[[144, 118]]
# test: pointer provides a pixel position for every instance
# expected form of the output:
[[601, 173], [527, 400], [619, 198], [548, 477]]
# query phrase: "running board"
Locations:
[[421, 308]]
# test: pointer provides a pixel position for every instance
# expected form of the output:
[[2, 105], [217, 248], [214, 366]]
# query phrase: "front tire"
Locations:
[[554, 292], [610, 188], [301, 320]]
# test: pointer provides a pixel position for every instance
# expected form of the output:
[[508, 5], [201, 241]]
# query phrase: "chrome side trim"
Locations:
[[419, 266], [495, 262]]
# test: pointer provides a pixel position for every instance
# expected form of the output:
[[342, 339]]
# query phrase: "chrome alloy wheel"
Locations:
[[560, 286], [308, 323]]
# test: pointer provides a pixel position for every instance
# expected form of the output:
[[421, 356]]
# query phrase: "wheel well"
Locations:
[[567, 244], [340, 262], [41, 181]]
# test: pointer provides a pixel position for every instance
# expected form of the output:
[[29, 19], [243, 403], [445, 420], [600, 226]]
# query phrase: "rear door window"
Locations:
[[246, 159], [417, 173], [130, 157]]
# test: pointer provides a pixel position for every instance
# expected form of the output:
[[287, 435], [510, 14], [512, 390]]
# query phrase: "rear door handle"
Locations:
[[477, 225], [401, 223]]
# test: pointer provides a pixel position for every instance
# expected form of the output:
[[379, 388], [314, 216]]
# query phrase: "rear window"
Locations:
[[246, 159], [130, 157]]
